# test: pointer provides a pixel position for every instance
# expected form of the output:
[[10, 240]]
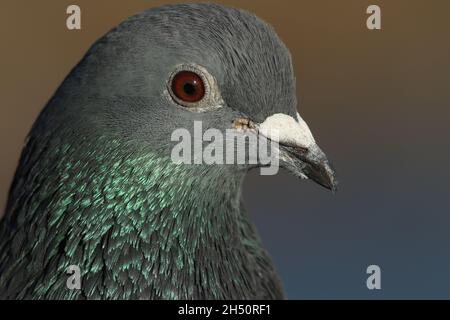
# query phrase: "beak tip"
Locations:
[[326, 177], [333, 182], [330, 182], [334, 186], [315, 166]]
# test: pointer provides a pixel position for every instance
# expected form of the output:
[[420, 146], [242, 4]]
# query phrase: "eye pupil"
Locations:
[[188, 87]]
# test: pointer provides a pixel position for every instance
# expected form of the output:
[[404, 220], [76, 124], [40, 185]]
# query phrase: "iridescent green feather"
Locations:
[[138, 226]]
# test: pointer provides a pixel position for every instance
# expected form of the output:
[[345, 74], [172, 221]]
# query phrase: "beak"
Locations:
[[309, 163], [299, 152]]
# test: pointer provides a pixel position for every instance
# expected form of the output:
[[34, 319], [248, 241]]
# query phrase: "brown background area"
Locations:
[[377, 101]]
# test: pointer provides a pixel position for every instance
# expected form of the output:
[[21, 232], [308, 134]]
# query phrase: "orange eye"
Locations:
[[188, 86]]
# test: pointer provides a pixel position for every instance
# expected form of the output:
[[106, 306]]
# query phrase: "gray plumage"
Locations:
[[95, 186]]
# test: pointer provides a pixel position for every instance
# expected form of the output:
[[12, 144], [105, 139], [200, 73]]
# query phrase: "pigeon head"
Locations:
[[166, 68], [97, 187]]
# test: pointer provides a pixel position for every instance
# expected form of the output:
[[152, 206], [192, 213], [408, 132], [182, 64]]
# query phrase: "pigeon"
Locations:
[[96, 186]]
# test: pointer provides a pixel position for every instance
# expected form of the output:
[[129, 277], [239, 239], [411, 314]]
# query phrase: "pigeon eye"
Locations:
[[188, 86], [191, 86]]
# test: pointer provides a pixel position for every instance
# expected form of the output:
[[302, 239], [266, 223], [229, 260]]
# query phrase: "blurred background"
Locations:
[[377, 101]]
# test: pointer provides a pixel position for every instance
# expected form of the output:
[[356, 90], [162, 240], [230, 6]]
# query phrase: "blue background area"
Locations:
[[322, 243]]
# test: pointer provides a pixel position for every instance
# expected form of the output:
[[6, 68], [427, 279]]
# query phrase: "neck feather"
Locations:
[[136, 225]]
